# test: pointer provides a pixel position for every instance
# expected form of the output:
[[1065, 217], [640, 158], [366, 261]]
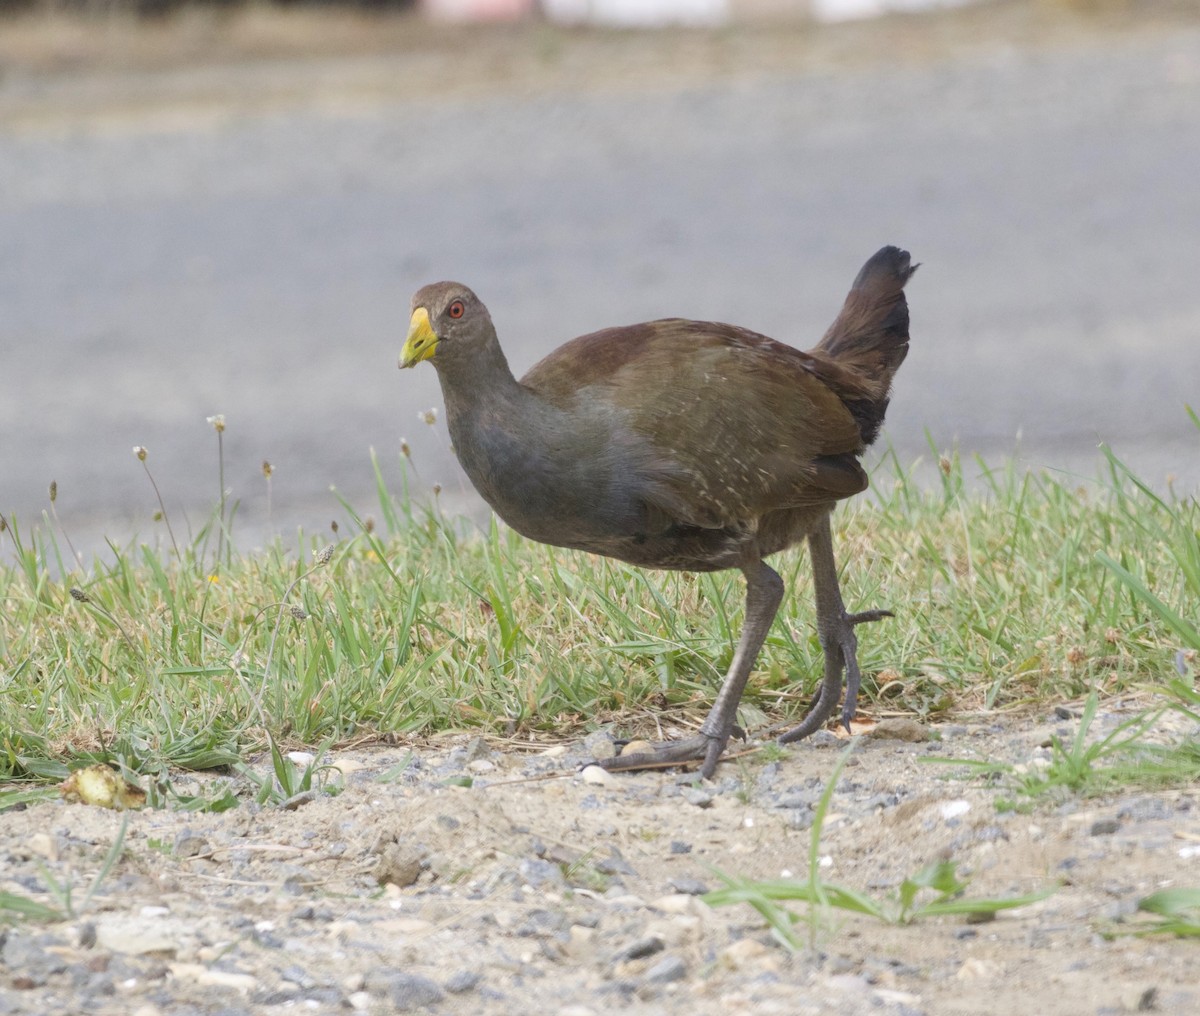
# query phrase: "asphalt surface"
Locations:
[[156, 269]]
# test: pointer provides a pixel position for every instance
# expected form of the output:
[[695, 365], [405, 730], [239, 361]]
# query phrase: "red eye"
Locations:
[[456, 309]]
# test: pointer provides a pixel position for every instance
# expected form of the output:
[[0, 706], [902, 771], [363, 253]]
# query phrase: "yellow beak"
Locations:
[[421, 342]]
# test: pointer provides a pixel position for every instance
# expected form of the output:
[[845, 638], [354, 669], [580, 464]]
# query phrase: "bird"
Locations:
[[683, 445]]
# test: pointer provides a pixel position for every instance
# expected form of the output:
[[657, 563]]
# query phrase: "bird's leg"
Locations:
[[835, 629], [764, 592]]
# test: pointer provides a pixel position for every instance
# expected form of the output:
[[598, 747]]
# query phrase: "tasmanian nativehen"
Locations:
[[687, 445]]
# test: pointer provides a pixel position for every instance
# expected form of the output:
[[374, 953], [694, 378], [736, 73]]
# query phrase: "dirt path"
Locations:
[[533, 890]]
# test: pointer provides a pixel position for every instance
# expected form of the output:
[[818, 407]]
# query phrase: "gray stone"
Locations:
[[543, 923], [688, 886], [669, 968], [823, 739], [614, 864], [190, 844], [796, 799], [298, 879], [639, 949], [406, 992], [463, 981], [541, 874], [398, 865]]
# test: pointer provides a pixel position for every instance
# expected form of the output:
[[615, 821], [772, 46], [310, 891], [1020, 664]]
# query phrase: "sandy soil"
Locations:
[[534, 889]]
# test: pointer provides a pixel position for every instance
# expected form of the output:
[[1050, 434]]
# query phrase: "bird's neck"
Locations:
[[484, 386]]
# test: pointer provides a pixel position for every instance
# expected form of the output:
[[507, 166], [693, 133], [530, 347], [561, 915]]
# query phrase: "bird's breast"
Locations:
[[553, 486]]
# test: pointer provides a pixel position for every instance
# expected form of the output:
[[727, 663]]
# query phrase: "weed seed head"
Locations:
[[80, 595], [268, 469], [428, 416], [404, 448], [299, 613], [140, 452], [327, 551], [944, 465], [217, 422], [53, 491]]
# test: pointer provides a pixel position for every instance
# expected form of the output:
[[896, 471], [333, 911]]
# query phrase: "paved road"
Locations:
[[155, 270]]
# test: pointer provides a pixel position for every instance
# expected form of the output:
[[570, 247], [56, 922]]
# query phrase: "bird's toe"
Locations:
[[703, 748]]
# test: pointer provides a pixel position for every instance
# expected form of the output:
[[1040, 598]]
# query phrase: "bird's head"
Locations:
[[447, 320]]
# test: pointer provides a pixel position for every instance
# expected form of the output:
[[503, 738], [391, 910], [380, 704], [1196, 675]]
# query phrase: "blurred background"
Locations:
[[224, 209]]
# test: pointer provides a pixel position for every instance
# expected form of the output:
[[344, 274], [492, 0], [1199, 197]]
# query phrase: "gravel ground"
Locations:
[[536, 889]]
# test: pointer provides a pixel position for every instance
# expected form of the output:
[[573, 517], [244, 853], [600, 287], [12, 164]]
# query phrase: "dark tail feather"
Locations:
[[869, 338]]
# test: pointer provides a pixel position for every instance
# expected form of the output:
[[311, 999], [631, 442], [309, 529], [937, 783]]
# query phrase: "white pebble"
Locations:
[[597, 777], [953, 809]]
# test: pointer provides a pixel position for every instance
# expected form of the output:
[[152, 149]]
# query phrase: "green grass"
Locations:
[[1093, 763], [934, 891], [1011, 590]]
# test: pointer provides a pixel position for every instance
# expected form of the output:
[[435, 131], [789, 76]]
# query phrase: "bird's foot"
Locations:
[[848, 643], [841, 652], [703, 748]]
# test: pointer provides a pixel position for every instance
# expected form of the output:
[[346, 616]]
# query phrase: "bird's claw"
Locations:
[[703, 748], [848, 645], [841, 654]]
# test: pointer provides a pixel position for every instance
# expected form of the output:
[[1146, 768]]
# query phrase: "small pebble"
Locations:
[[476, 750], [639, 949], [688, 886], [397, 865], [669, 968], [823, 739], [596, 777], [614, 864], [463, 981], [539, 874], [189, 844]]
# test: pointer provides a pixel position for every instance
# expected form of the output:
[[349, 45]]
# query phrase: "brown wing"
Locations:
[[726, 423]]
